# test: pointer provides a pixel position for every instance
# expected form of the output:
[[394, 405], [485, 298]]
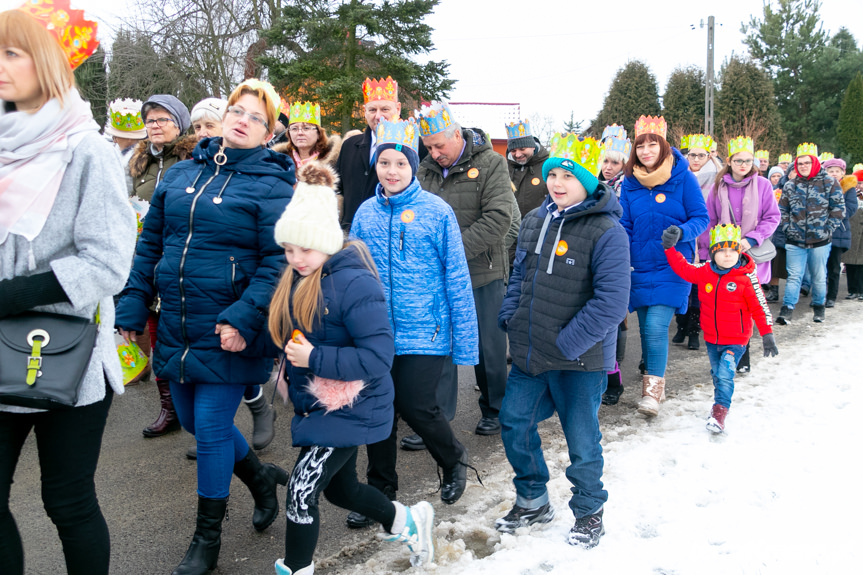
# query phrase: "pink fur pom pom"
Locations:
[[334, 394]]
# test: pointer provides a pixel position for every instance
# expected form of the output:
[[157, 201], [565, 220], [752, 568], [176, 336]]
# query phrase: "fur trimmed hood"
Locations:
[[142, 157], [330, 155]]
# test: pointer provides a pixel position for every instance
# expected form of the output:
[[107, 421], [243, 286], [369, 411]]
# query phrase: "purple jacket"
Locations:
[[768, 217]]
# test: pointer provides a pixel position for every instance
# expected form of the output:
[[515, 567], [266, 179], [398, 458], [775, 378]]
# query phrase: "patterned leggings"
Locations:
[[333, 471]]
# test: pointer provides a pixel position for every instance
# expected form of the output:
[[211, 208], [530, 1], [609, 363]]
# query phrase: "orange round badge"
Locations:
[[708, 288], [660, 198], [472, 173], [408, 216], [535, 181], [562, 247]]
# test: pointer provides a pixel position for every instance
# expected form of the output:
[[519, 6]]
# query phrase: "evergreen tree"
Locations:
[[683, 102], [851, 122], [92, 80], [322, 50], [633, 92], [571, 125], [746, 105]]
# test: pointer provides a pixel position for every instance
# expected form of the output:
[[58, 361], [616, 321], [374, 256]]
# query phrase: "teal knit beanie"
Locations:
[[588, 180]]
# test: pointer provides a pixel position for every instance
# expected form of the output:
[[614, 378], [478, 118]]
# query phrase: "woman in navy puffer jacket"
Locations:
[[658, 191], [207, 248]]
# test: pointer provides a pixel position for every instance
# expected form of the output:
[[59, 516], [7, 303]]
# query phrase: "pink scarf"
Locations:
[[750, 207], [35, 150], [300, 162]]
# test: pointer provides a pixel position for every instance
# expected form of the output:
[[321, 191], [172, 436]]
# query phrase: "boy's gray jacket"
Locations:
[[479, 190], [569, 288], [88, 242]]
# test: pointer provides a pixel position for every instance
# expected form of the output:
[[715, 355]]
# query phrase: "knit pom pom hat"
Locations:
[[311, 220]]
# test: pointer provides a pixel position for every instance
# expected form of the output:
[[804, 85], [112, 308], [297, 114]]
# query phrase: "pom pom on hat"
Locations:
[[311, 219]]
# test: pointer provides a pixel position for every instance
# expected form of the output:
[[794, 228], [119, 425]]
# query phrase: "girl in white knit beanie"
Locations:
[[329, 316]]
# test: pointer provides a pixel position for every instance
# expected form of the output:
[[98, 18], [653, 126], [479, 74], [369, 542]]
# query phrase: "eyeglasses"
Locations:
[[238, 113], [296, 128], [161, 121], [697, 156], [742, 162], [802, 164]]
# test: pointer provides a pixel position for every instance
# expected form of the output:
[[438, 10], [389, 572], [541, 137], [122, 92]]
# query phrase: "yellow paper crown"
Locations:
[[701, 141], [807, 150], [785, 158], [856, 168], [825, 156], [740, 144], [651, 125], [307, 112], [585, 152], [77, 36], [383, 89], [725, 236], [762, 155]]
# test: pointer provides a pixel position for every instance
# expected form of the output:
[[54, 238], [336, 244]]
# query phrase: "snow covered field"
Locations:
[[778, 493]]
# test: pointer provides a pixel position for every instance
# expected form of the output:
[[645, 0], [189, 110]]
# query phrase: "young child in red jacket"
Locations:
[[731, 298]]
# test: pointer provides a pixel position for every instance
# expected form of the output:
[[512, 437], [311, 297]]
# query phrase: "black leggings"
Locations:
[[68, 443], [332, 470]]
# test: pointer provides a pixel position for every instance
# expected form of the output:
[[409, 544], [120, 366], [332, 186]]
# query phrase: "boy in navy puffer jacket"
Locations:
[[730, 298]]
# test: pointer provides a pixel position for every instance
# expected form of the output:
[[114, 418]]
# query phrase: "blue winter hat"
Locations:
[[588, 180], [413, 158]]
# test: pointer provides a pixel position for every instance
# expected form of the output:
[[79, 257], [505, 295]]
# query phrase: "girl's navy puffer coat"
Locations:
[[353, 341], [207, 249]]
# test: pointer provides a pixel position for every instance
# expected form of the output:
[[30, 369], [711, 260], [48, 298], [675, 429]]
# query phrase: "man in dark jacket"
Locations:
[[357, 176], [464, 170], [525, 155]]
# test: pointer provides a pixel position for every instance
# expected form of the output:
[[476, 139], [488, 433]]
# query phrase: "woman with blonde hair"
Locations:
[[207, 248], [67, 234]]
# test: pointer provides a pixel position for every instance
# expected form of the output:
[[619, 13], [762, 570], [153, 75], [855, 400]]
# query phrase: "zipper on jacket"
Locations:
[[402, 242], [159, 173], [390, 267], [182, 278], [716, 308], [233, 280], [436, 331], [742, 330]]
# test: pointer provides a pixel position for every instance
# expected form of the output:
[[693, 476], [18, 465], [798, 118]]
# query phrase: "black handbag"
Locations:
[[44, 357]]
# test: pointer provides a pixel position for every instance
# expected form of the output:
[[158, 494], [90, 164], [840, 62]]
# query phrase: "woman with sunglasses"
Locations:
[[207, 247]]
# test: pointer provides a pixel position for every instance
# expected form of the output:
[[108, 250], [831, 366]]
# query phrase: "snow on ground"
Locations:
[[778, 493]]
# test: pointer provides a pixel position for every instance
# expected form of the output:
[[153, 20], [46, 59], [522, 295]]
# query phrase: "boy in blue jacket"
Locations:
[[568, 292], [415, 241]]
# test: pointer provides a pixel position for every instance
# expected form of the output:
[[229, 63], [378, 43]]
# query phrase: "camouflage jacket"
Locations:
[[811, 210]]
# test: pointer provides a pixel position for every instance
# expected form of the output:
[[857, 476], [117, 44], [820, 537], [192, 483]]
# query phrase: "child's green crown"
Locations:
[[725, 236]]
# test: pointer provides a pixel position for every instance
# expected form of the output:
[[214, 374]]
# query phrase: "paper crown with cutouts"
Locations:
[[434, 119], [701, 141], [401, 133], [307, 112], [762, 155], [614, 139], [825, 156], [856, 168], [583, 151], [383, 89], [725, 236], [740, 144], [77, 36], [651, 125], [786, 158], [124, 119], [807, 150], [518, 130]]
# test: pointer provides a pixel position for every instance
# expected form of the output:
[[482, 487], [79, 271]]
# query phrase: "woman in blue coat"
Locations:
[[658, 191], [329, 315], [207, 249]]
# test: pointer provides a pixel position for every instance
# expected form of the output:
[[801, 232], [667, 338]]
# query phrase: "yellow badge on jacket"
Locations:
[[562, 248], [660, 198], [408, 216], [708, 288], [472, 173], [535, 181]]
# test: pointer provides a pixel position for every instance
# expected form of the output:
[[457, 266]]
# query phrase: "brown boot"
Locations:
[[167, 420], [652, 393]]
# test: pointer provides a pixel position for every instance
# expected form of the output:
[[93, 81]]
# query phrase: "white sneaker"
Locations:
[[417, 533], [282, 569]]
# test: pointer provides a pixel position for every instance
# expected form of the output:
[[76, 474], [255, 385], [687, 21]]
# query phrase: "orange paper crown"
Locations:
[[380, 90], [651, 125], [76, 35]]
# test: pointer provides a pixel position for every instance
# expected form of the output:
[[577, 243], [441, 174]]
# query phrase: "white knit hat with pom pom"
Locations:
[[311, 219]]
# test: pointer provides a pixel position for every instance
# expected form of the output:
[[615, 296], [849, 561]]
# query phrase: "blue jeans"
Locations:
[[576, 396], [723, 365], [653, 322], [797, 261], [207, 411]]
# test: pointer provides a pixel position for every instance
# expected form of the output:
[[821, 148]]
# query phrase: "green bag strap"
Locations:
[[34, 360]]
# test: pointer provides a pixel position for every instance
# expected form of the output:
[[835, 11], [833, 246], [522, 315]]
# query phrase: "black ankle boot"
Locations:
[[203, 553], [261, 479]]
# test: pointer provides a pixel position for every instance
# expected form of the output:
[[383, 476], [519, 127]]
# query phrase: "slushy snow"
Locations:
[[777, 493]]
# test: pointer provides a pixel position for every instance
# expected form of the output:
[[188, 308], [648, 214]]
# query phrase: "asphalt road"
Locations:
[[146, 487]]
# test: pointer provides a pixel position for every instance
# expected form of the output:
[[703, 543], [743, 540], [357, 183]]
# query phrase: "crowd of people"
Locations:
[[356, 272]]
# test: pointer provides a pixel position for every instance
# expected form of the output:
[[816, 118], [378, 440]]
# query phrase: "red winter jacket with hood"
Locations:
[[729, 302]]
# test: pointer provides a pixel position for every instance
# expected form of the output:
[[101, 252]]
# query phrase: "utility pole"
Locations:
[[708, 84]]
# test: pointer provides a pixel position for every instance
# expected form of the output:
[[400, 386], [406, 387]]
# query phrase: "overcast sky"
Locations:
[[557, 56]]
